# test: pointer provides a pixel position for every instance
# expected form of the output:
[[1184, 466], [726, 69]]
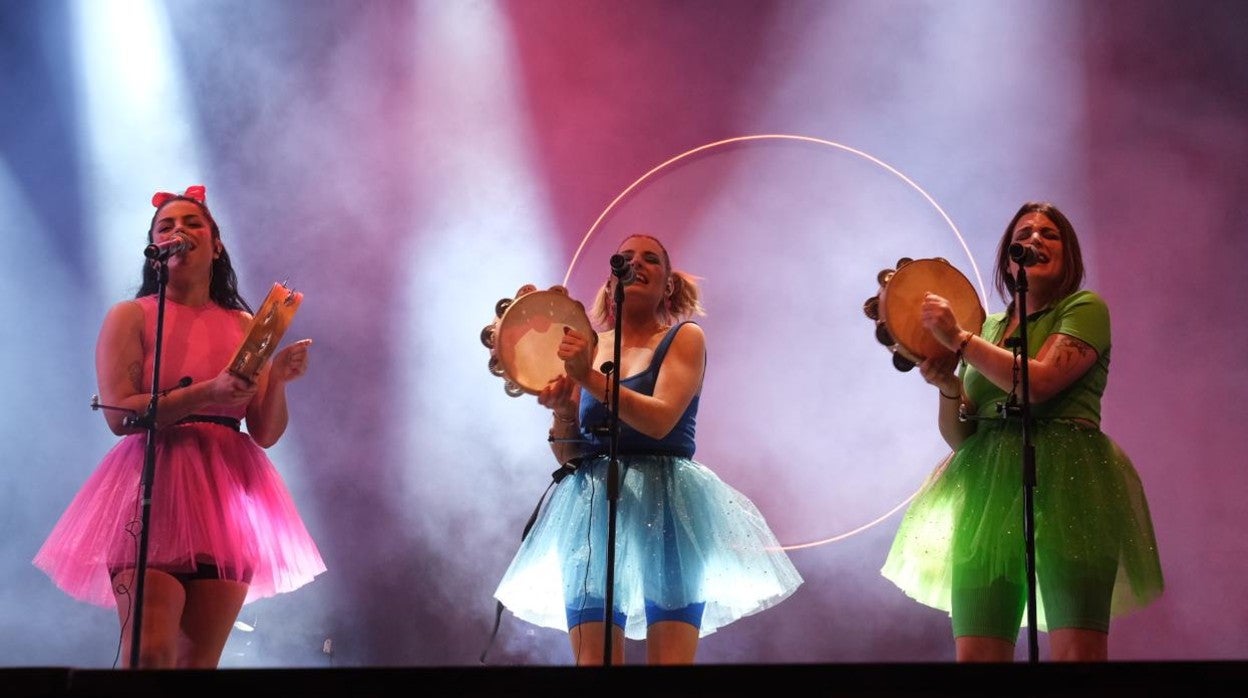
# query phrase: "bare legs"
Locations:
[[667, 642], [983, 649], [671, 642], [1078, 645], [1065, 644], [185, 626], [588, 644]]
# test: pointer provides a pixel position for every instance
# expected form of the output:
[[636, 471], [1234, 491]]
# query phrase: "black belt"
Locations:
[[230, 422]]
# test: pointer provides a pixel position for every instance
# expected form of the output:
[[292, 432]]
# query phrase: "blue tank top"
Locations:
[[596, 416]]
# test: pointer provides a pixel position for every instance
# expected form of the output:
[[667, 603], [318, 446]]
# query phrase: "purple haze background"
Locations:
[[407, 164]]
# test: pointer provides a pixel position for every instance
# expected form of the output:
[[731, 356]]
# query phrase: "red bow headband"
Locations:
[[195, 193]]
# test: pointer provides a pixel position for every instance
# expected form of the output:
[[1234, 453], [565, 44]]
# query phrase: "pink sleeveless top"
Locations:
[[199, 342]]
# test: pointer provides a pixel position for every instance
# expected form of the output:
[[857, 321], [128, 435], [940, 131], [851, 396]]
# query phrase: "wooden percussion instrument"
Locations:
[[524, 338], [896, 309], [266, 330]]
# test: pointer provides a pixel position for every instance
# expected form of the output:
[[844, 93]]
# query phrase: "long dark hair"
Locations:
[[1072, 256], [223, 282]]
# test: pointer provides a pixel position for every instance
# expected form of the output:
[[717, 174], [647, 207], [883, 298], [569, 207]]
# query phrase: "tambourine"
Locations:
[[897, 308], [265, 331], [524, 338]]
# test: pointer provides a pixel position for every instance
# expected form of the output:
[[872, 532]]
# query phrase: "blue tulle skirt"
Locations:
[[683, 537]]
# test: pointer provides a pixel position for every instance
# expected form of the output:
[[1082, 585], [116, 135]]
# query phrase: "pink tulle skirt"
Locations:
[[216, 500]]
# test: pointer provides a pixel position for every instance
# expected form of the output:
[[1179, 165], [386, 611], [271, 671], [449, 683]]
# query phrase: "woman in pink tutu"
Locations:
[[222, 527]]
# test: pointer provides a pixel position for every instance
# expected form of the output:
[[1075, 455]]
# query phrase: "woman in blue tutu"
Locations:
[[960, 546], [692, 554]]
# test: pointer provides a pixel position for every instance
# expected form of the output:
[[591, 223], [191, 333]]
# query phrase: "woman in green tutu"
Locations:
[[961, 546]]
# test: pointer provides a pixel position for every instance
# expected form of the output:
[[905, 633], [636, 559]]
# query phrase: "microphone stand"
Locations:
[[1029, 457], [148, 422], [613, 466]]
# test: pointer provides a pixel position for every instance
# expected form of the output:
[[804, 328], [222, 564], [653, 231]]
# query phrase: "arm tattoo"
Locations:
[[135, 371], [1067, 347]]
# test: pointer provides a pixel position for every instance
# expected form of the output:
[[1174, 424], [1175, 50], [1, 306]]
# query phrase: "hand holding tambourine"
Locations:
[[936, 314], [907, 320], [528, 335]]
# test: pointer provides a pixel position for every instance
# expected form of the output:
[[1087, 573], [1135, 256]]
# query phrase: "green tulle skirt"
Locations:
[[1090, 513]]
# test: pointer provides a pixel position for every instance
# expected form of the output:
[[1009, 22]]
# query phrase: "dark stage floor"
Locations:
[[1181, 679]]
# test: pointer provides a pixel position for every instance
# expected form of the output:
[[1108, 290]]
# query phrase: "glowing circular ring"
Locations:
[[809, 139]]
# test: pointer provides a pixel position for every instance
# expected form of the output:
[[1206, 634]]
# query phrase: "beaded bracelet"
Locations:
[[962, 346]]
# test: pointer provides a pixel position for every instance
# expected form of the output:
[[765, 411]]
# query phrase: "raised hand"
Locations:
[[291, 362], [577, 352], [937, 316]]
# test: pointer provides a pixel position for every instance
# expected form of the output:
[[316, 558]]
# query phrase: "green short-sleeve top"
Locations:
[[1082, 315]]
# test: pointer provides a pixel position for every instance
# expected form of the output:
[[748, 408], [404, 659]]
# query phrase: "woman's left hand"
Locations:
[[941, 371], [291, 362], [558, 396]]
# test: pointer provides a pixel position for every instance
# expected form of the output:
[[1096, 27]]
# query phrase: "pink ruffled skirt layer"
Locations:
[[216, 499]]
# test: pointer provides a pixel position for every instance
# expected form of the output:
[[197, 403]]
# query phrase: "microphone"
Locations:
[[183, 382], [1023, 255], [622, 269], [160, 251]]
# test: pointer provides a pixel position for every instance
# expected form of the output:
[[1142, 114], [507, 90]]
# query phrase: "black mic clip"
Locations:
[[134, 421], [564, 470], [964, 415]]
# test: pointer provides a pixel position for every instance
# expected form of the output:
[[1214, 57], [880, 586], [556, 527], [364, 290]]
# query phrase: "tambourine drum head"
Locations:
[[528, 336], [901, 302]]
